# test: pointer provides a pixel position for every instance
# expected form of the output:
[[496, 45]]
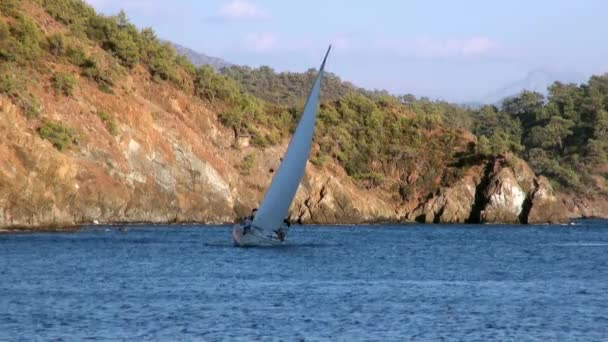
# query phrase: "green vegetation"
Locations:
[[64, 83], [109, 121], [104, 77], [9, 7], [247, 164], [60, 136], [563, 137], [14, 85], [20, 41], [369, 135], [287, 88], [56, 44], [74, 13], [122, 39], [214, 87]]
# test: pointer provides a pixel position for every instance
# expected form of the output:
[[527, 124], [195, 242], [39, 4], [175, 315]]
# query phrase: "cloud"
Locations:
[[262, 42], [241, 10]]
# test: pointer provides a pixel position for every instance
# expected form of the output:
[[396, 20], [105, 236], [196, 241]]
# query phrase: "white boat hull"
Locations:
[[253, 237]]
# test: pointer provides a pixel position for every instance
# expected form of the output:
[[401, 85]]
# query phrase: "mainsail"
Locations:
[[279, 195]]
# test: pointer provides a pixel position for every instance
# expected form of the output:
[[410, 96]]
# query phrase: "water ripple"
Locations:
[[388, 283]]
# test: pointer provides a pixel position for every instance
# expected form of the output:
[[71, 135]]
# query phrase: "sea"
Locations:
[[328, 283]]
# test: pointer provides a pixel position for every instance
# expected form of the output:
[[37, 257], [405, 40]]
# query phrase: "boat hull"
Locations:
[[253, 237]]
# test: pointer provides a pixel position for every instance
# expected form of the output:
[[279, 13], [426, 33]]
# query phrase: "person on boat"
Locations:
[[252, 215], [249, 220], [280, 233]]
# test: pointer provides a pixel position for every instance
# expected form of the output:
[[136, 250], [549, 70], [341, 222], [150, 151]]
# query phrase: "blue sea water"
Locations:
[[378, 283]]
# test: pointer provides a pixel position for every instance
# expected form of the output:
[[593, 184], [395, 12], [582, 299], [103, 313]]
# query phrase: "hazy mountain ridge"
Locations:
[[199, 59], [537, 80]]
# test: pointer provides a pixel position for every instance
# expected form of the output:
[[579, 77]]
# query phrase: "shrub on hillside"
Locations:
[[116, 35], [122, 39], [318, 159], [60, 136], [76, 56], [20, 42], [74, 13], [9, 7], [13, 85], [103, 77], [56, 44], [212, 86], [109, 121], [6, 42], [64, 83], [247, 164], [31, 107]]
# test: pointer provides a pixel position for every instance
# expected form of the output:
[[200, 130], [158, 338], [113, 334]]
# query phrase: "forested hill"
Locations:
[[562, 136], [287, 88]]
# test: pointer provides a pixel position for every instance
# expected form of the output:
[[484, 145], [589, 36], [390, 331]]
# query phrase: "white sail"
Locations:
[[282, 190]]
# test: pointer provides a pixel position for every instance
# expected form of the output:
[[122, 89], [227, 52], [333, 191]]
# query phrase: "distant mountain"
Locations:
[[537, 80], [199, 59]]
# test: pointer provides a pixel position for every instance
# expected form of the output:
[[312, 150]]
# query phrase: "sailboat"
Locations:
[[268, 226]]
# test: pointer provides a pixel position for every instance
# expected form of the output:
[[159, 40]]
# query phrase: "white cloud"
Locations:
[[242, 10], [446, 49], [262, 42]]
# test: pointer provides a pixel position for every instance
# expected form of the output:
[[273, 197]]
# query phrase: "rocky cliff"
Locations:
[[172, 162]]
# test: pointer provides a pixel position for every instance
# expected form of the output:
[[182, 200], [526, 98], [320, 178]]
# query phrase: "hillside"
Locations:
[[101, 121], [561, 134], [287, 88]]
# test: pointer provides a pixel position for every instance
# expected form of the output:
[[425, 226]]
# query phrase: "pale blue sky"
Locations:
[[456, 50]]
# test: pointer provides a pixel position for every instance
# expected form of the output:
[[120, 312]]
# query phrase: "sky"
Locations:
[[453, 50]]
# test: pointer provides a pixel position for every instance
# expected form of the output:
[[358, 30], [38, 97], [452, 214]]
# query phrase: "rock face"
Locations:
[[514, 194], [588, 207], [451, 205], [159, 173], [506, 190], [324, 200], [545, 207], [504, 199], [153, 172]]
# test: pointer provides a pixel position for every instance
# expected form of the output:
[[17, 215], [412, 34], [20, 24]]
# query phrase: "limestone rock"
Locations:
[[325, 200], [545, 206], [504, 198], [452, 205]]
